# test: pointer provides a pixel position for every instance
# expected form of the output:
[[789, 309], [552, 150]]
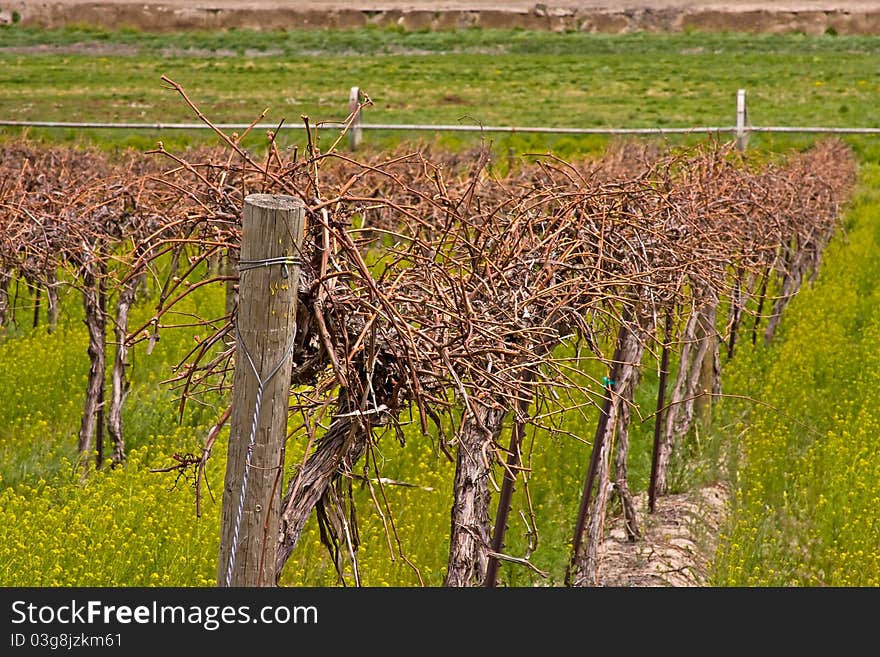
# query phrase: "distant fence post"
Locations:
[[742, 118], [272, 235], [355, 134]]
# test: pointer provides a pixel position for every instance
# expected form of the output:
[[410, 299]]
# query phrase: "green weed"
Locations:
[[804, 511]]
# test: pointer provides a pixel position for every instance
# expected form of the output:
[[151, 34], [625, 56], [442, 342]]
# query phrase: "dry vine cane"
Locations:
[[475, 282]]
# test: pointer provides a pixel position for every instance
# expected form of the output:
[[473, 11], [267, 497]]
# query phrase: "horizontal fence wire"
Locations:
[[447, 128]]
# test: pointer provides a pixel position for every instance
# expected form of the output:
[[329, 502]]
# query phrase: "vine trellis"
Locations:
[[434, 286]]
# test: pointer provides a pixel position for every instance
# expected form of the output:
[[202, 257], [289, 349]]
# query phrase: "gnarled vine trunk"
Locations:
[[613, 422], [38, 296], [336, 452], [5, 280], [800, 262], [51, 300], [118, 381], [469, 540], [625, 387], [696, 379], [96, 322], [513, 462]]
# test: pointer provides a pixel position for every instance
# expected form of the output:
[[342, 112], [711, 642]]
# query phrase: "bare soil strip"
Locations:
[[808, 16], [677, 545]]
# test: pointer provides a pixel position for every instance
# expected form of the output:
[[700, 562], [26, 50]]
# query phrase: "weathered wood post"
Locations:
[[742, 117], [272, 235], [355, 133]]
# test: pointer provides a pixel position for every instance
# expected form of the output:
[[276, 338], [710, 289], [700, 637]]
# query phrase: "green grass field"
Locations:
[[467, 77], [804, 496], [805, 509]]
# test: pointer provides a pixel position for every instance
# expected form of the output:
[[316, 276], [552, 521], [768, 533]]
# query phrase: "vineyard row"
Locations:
[[434, 285]]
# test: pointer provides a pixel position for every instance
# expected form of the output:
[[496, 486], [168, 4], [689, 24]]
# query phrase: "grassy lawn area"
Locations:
[[466, 77], [805, 508]]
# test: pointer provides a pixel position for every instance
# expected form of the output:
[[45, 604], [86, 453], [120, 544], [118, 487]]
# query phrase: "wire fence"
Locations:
[[446, 128], [741, 130]]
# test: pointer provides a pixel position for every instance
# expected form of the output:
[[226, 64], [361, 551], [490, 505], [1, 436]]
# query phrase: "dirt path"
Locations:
[[810, 16], [677, 544]]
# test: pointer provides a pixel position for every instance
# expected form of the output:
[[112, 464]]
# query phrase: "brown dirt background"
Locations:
[[808, 16]]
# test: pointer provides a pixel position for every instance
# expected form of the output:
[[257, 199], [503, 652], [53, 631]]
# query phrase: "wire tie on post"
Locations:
[[262, 382], [284, 261]]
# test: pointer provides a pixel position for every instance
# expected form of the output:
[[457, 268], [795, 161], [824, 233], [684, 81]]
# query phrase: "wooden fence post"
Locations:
[[272, 235], [355, 134], [742, 118]]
